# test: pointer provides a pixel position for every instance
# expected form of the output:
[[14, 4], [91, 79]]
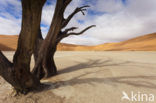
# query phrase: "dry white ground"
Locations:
[[94, 77]]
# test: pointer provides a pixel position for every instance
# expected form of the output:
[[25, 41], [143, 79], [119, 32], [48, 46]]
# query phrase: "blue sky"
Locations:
[[116, 20]]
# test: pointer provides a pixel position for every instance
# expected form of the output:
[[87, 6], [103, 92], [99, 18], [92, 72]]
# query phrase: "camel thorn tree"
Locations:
[[30, 41]]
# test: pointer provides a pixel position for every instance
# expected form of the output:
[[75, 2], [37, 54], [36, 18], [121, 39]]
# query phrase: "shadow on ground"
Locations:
[[100, 63], [136, 81]]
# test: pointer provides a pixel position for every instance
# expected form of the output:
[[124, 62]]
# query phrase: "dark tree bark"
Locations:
[[48, 45], [6, 69], [31, 18], [45, 64], [30, 41], [39, 72], [19, 75]]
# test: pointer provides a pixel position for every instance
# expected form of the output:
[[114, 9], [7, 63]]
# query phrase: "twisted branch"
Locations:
[[69, 29], [81, 32], [64, 34], [79, 9]]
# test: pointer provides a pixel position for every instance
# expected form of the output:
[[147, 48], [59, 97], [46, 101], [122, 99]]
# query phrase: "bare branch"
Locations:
[[79, 9], [69, 29], [73, 33], [66, 2], [64, 34], [82, 9]]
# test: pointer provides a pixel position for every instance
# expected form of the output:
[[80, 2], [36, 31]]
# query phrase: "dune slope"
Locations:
[[142, 43], [8, 42]]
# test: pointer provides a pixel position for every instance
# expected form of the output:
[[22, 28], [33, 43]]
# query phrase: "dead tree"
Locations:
[[30, 41], [18, 73], [48, 68]]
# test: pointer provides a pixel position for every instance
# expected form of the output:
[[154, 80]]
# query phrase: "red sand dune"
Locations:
[[142, 43], [9, 42]]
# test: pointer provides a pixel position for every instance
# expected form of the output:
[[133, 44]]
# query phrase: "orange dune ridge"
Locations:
[[142, 43], [8, 42]]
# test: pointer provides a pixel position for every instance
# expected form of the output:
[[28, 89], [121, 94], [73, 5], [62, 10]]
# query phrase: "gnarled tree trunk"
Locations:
[[20, 76], [48, 62], [45, 49], [30, 41], [39, 72]]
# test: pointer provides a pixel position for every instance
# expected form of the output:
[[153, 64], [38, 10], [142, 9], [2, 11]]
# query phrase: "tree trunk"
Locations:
[[45, 49], [48, 47], [38, 43], [8, 72], [49, 63], [19, 75], [38, 72], [30, 41], [47, 68], [6, 69]]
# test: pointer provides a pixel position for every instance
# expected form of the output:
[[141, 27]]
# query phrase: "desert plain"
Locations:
[[93, 74], [93, 77]]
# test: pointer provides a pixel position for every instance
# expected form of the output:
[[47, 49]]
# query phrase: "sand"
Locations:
[[141, 43], [93, 77]]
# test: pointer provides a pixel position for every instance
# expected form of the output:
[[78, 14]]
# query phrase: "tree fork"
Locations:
[[44, 64], [49, 43], [47, 68], [30, 41]]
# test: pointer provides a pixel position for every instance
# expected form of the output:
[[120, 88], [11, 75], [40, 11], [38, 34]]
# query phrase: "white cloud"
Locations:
[[47, 14], [121, 22], [116, 22], [9, 26], [110, 6], [79, 39]]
